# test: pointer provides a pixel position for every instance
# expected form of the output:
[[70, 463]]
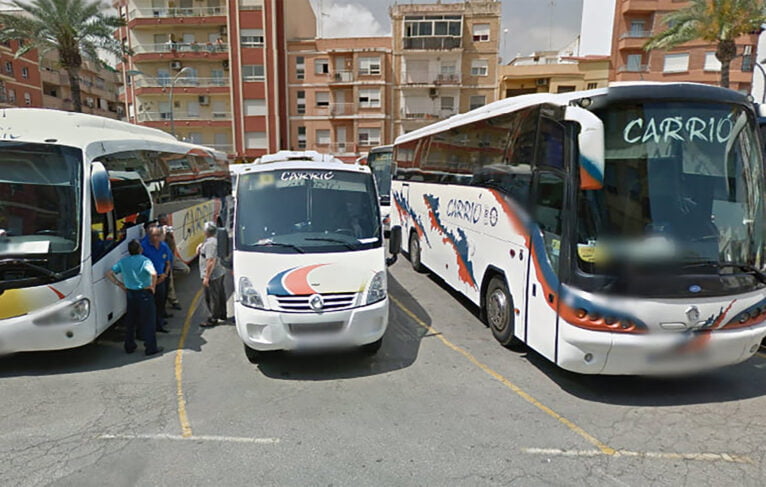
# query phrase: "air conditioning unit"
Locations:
[[204, 100], [225, 64], [541, 82], [175, 65]]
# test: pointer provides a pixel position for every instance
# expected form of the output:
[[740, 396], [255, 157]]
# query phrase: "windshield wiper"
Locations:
[[29, 265], [721, 265], [334, 240], [280, 244]]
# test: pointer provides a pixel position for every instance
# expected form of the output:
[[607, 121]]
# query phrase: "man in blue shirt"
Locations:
[[159, 253], [139, 280]]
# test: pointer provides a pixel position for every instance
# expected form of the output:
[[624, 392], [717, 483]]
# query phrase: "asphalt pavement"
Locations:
[[442, 403]]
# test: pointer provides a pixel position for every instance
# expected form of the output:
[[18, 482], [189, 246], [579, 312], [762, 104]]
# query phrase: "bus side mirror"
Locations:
[[590, 143], [101, 188], [394, 244], [224, 247]]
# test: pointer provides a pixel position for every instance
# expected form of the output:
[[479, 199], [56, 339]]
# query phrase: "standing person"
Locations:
[[159, 253], [212, 273], [138, 280], [170, 239]]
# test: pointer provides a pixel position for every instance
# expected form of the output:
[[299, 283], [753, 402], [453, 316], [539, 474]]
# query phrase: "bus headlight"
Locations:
[[378, 288], [248, 296], [72, 313]]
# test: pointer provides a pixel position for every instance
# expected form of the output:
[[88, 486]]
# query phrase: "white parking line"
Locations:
[[222, 439], [704, 457]]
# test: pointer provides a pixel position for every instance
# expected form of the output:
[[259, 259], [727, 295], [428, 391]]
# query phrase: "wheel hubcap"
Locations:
[[497, 310]]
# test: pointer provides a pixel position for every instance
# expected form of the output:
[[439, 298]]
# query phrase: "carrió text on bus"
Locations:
[[641, 130]]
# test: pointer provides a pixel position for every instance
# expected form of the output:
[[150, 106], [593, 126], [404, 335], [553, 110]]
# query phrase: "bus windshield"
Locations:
[[306, 211], [683, 191], [380, 164]]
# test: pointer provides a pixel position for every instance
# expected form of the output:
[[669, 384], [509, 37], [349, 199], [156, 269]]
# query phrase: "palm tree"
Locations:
[[719, 22], [77, 29]]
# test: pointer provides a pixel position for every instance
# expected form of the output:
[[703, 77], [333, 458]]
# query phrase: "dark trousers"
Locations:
[[215, 299], [160, 296], [141, 316]]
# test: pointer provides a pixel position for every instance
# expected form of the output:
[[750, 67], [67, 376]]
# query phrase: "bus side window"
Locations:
[[549, 203], [132, 204]]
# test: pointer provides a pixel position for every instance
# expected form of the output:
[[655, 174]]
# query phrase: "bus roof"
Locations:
[[508, 105], [95, 135], [288, 155], [294, 165], [381, 148]]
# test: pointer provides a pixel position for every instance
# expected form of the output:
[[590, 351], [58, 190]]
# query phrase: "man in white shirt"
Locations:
[[212, 274]]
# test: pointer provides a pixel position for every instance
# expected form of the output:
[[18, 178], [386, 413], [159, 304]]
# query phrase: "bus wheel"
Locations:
[[498, 305], [414, 251], [254, 356]]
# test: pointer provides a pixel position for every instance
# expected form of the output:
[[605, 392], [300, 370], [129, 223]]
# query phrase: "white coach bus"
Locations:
[[614, 231], [309, 255], [74, 189]]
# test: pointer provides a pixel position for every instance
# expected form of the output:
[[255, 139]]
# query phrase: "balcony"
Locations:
[[342, 77], [175, 12], [183, 116], [228, 148], [432, 43], [413, 114], [635, 6], [182, 47], [429, 77], [640, 68], [341, 148], [184, 82]]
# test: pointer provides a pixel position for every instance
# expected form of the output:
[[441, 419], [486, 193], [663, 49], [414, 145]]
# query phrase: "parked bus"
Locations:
[[74, 189], [309, 259], [614, 231], [380, 160]]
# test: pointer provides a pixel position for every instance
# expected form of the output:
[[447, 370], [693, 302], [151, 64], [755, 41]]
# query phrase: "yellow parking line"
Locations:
[[701, 457], [603, 448], [186, 430]]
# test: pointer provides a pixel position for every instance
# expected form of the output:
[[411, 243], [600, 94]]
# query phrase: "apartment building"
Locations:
[[445, 60], [19, 78], [637, 20], [98, 88], [340, 95], [211, 71]]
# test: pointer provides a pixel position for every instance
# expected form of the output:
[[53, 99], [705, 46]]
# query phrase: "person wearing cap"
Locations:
[[159, 253], [139, 280], [212, 273]]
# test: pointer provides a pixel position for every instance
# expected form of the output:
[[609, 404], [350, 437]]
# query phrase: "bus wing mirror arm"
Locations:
[[394, 244], [590, 144]]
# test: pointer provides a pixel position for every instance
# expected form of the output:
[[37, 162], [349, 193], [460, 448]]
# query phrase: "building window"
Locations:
[[25, 72], [321, 66], [27, 99], [565, 89], [369, 65], [256, 140], [252, 72], [676, 63], [711, 62], [194, 137], [477, 101], [11, 96], [479, 67], [9, 68], [369, 136], [301, 137], [323, 137], [638, 29], [448, 104], [369, 98], [300, 102], [433, 25], [634, 63], [252, 37], [747, 59], [255, 108], [592, 86], [300, 67], [323, 98], [480, 32]]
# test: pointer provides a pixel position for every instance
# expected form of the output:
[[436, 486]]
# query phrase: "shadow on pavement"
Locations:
[[401, 344], [106, 352]]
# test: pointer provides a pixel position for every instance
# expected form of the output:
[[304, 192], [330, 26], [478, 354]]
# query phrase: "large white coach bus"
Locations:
[[309, 255], [74, 189], [614, 231]]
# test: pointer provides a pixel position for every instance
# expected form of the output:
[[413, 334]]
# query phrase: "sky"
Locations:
[[533, 25]]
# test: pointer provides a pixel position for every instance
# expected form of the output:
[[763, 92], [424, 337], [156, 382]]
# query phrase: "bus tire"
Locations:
[[254, 356], [499, 312], [413, 249]]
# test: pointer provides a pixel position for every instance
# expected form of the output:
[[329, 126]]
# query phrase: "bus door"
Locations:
[[548, 195]]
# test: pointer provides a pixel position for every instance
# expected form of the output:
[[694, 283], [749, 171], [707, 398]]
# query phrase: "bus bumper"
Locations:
[[273, 330], [593, 352], [43, 331]]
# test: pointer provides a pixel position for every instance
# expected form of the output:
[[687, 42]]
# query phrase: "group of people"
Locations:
[[147, 278]]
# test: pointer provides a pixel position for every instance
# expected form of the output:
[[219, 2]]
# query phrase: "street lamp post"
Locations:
[[170, 98]]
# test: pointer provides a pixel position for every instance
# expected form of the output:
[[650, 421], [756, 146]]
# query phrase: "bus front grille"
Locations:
[[302, 304]]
